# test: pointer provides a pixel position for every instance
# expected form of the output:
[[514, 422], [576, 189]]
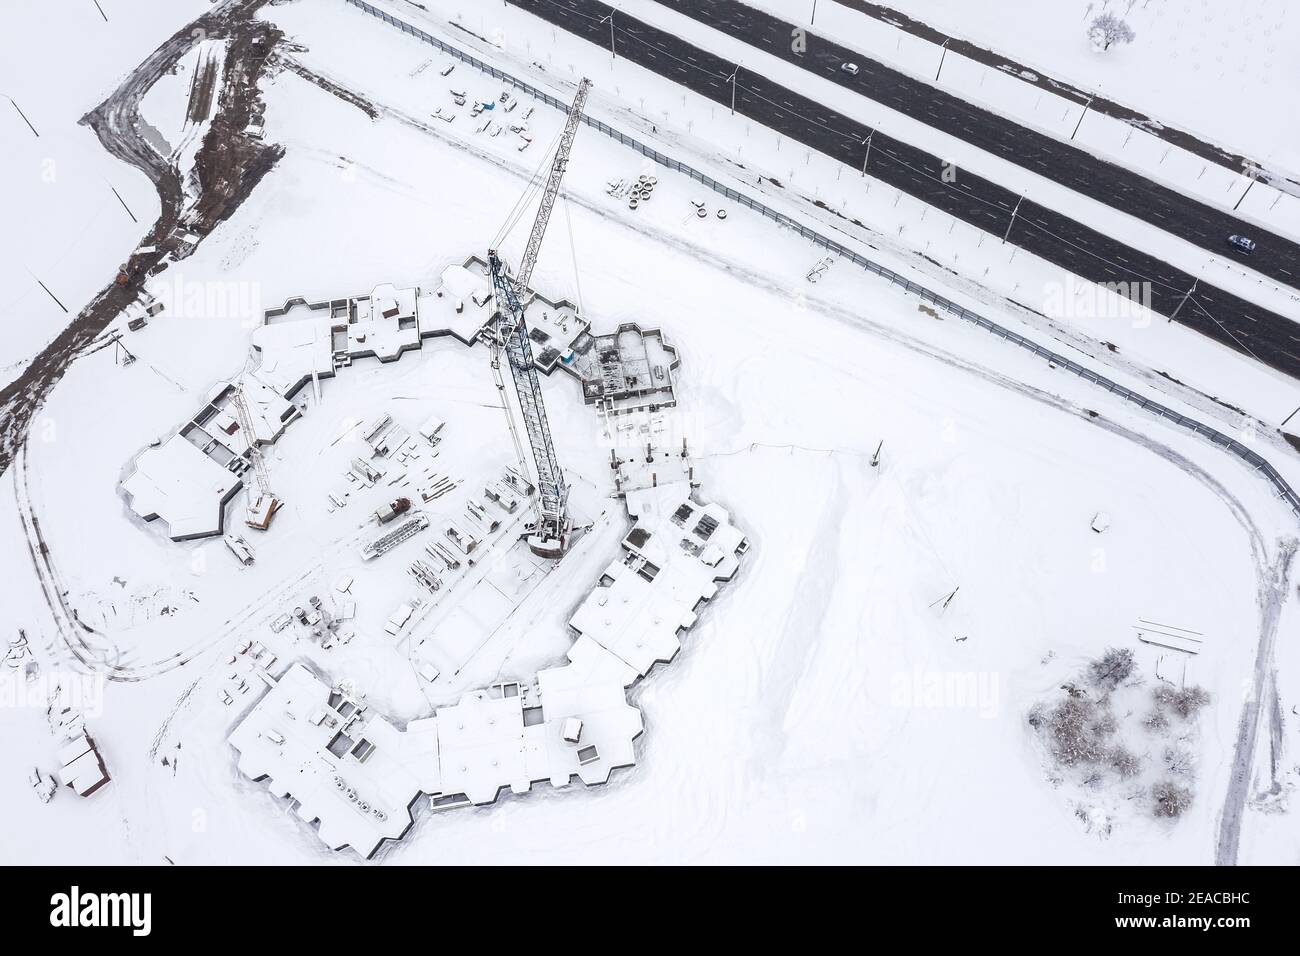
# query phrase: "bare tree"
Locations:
[[1074, 733], [1112, 669], [1124, 762], [1169, 799], [1107, 30], [1038, 716], [1184, 702], [1179, 761], [1156, 721], [1190, 699]]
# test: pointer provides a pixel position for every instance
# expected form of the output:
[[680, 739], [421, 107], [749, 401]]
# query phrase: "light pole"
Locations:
[[867, 143], [610, 18], [1007, 234], [1187, 295], [813, 18], [1082, 115], [942, 55], [1252, 173], [732, 78]]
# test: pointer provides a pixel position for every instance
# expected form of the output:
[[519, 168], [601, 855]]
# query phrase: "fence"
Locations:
[[1250, 457]]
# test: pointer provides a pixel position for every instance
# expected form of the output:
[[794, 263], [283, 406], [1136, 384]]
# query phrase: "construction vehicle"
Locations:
[[552, 525], [390, 511]]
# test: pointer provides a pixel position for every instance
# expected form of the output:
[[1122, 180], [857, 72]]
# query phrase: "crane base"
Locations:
[[547, 547], [261, 511]]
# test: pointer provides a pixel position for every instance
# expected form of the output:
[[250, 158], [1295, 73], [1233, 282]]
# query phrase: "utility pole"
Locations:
[[1082, 115], [22, 114], [1013, 220], [610, 18], [813, 19], [123, 202], [732, 78], [867, 143]]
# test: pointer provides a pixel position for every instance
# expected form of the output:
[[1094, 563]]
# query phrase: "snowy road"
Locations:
[[1043, 155], [1001, 212]]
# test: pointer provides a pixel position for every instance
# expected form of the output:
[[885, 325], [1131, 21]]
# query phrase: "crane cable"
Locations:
[[573, 254], [534, 186]]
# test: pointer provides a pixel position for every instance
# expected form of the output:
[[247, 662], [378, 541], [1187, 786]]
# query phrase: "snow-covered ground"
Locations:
[[59, 184], [1214, 69], [817, 711], [1221, 270], [902, 233], [1189, 94]]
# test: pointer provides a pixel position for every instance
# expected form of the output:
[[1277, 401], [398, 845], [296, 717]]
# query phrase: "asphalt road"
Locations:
[[1244, 326], [1206, 226]]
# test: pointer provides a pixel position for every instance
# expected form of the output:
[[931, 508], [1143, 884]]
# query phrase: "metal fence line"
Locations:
[[1249, 456]]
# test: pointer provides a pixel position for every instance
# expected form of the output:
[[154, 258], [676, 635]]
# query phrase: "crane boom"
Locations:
[[525, 271], [552, 525]]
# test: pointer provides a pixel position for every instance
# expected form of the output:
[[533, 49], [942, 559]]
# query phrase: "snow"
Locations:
[[1210, 68], [59, 184], [795, 724], [904, 234], [180, 484]]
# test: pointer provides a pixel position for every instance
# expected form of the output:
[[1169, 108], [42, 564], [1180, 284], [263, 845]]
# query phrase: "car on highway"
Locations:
[[1242, 242], [849, 68]]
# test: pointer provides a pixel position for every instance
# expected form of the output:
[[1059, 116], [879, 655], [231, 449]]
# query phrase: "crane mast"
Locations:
[[550, 536], [262, 508]]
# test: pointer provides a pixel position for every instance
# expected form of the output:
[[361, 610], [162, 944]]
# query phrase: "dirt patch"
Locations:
[[229, 164]]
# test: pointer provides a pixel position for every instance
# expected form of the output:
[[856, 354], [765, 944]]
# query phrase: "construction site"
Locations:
[[454, 538], [453, 407]]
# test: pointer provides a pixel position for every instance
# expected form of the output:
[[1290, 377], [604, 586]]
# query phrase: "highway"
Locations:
[[1226, 318], [1276, 257]]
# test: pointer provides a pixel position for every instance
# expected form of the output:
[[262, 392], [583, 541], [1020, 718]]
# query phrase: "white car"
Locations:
[[849, 68]]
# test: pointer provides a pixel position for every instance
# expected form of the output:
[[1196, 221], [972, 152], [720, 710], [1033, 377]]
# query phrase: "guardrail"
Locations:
[[1229, 444]]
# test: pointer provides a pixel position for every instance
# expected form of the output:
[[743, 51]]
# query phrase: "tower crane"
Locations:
[[550, 537], [262, 508]]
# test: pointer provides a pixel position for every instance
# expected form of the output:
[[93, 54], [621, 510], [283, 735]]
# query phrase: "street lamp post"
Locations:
[[867, 143], [1007, 234], [612, 55], [1082, 115]]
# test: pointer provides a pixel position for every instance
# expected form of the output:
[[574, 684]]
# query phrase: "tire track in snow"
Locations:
[[1273, 591]]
